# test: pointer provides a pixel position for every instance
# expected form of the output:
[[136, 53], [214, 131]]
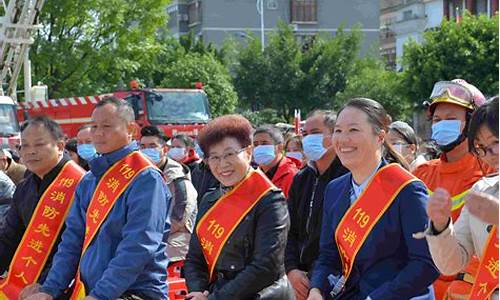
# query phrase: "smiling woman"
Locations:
[[238, 247], [367, 250]]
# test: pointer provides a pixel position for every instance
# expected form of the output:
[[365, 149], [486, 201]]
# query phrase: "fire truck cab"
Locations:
[[176, 111]]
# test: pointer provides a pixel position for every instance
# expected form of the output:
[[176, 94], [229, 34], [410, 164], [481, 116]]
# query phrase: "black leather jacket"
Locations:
[[251, 263]]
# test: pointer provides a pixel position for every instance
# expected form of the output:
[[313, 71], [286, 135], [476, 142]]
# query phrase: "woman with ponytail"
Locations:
[[367, 249]]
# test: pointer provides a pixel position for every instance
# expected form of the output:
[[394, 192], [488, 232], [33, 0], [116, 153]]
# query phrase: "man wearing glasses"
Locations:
[[456, 170]]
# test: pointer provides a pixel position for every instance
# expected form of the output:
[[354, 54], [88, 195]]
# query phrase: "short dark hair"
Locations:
[[72, 145], [123, 108], [405, 131], [233, 126], [272, 131], [294, 138], [51, 125], [486, 114], [154, 131], [185, 139], [329, 117]]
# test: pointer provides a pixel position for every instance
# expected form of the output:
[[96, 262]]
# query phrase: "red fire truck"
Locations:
[[176, 111]]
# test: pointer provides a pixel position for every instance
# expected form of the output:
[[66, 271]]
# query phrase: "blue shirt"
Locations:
[[127, 254], [390, 264]]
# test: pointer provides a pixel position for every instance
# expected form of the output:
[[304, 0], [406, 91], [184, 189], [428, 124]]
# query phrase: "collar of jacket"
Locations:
[[100, 164], [329, 173], [51, 175]]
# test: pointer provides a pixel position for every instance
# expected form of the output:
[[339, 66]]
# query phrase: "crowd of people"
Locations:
[[355, 206]]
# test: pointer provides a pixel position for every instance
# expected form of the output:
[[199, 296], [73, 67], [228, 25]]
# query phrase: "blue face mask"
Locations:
[[296, 155], [313, 146], [264, 154], [446, 132], [86, 151], [153, 154]]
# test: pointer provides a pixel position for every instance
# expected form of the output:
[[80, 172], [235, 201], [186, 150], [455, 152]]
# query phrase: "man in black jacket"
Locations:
[[305, 199], [42, 151]]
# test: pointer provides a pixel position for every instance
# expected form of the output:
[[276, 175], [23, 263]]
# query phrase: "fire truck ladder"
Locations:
[[17, 25]]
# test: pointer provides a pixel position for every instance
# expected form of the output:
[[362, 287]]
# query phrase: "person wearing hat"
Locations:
[[404, 140], [456, 170], [15, 171]]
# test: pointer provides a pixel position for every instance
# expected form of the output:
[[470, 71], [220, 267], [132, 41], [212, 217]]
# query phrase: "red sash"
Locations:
[[112, 184], [42, 232], [219, 222], [367, 210], [487, 276]]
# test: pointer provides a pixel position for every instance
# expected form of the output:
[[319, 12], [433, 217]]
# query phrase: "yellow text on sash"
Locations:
[[219, 222], [364, 214], [487, 275], [42, 231], [111, 186]]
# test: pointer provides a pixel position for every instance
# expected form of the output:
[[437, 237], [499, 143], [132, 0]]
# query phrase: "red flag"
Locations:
[[458, 17], [296, 121]]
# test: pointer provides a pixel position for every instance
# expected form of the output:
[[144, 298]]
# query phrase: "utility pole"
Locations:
[[260, 11]]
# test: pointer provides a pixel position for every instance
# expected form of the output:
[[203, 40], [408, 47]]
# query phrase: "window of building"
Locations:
[[194, 12], [407, 15], [481, 7], [272, 4], [303, 11]]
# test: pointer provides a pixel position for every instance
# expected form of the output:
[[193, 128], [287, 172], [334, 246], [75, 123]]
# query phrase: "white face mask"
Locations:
[[177, 154]]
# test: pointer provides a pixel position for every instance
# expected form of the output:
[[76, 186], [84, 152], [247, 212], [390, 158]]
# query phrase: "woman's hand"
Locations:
[[197, 295], [483, 206], [439, 209], [315, 294]]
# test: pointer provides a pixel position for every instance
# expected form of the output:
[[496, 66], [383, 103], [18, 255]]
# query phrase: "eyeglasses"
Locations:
[[481, 151], [229, 156]]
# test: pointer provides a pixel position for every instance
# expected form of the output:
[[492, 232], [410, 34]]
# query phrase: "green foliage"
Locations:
[[250, 80], [328, 65], [87, 47], [467, 50], [290, 74], [205, 68], [371, 80], [283, 73], [264, 116]]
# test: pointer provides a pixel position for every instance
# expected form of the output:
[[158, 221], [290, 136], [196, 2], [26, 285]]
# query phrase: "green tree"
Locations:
[[264, 116], [205, 68], [251, 75], [467, 50], [87, 47], [283, 74], [292, 74], [370, 79], [327, 66]]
